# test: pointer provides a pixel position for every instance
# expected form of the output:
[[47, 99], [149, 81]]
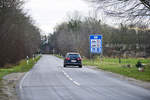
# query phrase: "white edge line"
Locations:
[[21, 83]]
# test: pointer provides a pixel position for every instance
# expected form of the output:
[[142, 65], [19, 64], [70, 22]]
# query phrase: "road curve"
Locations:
[[48, 80]]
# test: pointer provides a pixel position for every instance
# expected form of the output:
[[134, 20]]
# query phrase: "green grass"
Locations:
[[58, 56], [112, 65], [21, 67]]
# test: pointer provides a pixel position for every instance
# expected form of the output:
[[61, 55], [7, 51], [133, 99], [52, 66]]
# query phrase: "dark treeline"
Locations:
[[19, 37], [123, 41]]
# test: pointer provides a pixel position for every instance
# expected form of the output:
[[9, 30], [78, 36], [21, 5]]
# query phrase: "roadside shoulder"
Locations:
[[133, 81], [10, 82]]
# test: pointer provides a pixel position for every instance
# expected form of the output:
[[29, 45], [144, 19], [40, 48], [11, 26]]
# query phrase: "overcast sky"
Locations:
[[48, 13]]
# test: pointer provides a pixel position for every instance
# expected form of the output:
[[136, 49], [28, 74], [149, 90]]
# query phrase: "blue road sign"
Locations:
[[96, 44]]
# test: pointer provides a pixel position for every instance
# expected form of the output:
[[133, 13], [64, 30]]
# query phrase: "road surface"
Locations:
[[48, 80]]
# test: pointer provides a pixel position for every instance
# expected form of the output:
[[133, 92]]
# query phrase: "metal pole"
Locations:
[[101, 54]]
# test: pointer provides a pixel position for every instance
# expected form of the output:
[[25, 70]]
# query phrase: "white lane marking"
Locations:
[[65, 74], [21, 83], [70, 79], [76, 83], [68, 76]]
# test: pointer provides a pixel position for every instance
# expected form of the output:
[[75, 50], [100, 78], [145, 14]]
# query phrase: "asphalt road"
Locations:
[[48, 80]]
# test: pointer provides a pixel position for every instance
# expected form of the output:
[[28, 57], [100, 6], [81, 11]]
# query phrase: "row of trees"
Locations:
[[19, 37], [131, 39], [74, 36]]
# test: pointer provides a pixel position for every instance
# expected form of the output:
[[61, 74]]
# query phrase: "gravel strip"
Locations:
[[8, 86]]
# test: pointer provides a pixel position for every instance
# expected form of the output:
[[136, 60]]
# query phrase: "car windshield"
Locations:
[[73, 56]]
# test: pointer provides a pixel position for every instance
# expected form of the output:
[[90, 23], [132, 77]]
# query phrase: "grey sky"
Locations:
[[48, 13]]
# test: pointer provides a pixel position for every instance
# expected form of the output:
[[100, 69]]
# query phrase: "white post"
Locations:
[[33, 57], [53, 51], [27, 60]]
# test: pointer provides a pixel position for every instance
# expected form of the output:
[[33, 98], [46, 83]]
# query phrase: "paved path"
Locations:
[[48, 80]]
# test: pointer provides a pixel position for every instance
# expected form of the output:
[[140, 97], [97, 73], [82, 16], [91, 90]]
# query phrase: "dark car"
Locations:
[[73, 59]]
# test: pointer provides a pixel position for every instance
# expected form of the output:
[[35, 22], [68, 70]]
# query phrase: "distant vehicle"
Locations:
[[73, 59]]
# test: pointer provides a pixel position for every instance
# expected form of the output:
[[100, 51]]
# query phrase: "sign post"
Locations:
[[96, 44]]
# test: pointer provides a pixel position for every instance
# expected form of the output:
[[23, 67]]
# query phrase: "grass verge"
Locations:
[[21, 67], [58, 56], [113, 65]]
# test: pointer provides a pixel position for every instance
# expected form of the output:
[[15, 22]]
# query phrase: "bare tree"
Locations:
[[129, 10]]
